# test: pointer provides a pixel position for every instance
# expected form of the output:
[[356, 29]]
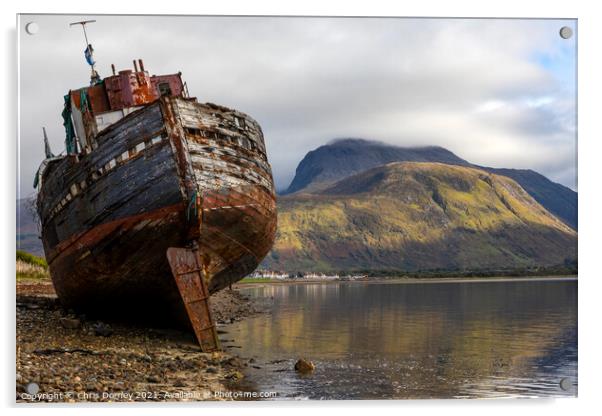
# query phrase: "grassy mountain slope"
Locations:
[[330, 163], [418, 216], [556, 198]]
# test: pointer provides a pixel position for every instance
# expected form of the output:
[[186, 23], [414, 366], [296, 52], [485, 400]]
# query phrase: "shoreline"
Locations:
[[412, 280], [73, 359], [70, 362]]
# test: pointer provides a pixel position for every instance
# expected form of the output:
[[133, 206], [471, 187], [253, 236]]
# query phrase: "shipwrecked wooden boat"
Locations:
[[148, 168]]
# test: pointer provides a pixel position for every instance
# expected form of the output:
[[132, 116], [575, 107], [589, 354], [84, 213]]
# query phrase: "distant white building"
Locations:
[[320, 276], [354, 277], [268, 274]]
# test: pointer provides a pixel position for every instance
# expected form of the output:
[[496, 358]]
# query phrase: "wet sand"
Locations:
[[72, 359]]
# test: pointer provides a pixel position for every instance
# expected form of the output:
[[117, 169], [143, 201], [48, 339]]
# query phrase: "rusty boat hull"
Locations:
[[171, 174]]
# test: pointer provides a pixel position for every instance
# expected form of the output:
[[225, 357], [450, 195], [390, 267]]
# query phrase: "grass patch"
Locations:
[[32, 275], [28, 258], [30, 267], [258, 280]]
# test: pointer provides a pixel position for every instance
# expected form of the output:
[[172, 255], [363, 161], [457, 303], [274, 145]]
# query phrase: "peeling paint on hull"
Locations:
[[171, 173]]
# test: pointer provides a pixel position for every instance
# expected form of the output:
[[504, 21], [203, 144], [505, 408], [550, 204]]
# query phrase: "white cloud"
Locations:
[[477, 87]]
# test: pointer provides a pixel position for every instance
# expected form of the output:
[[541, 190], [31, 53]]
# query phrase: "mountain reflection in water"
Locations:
[[417, 340]]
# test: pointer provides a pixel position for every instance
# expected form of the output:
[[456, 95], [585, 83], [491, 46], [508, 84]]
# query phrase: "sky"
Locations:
[[496, 92]]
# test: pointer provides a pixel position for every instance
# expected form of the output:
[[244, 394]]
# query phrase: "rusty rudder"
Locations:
[[192, 285]]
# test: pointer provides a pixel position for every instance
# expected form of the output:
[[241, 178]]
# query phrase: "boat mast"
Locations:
[[47, 149], [89, 52]]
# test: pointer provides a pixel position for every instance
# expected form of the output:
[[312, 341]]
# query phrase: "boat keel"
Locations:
[[192, 285]]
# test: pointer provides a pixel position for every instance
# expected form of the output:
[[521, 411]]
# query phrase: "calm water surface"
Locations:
[[417, 340]]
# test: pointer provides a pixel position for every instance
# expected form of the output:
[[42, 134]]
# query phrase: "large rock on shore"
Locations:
[[304, 366]]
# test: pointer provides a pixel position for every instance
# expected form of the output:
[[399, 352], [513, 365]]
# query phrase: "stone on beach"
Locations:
[[103, 330], [70, 323], [116, 358], [304, 366]]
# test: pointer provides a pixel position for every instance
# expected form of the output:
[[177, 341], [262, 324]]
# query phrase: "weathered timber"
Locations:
[[172, 173]]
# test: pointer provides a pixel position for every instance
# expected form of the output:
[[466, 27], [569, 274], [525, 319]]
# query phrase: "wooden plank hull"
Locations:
[[172, 173]]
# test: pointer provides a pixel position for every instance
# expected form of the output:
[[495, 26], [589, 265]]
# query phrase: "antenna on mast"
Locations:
[[89, 52]]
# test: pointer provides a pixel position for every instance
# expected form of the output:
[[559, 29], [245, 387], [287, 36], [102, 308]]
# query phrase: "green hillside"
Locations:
[[418, 216], [342, 158]]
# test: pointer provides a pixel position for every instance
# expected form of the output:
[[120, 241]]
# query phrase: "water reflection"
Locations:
[[477, 339]]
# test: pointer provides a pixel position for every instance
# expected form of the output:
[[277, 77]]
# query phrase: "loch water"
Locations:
[[452, 339]]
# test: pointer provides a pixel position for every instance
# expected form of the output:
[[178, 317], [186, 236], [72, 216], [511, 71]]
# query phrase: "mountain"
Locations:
[[27, 229], [418, 216], [342, 158]]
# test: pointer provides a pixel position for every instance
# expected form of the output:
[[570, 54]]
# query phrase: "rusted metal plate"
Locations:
[[128, 88], [97, 98], [174, 81], [187, 271]]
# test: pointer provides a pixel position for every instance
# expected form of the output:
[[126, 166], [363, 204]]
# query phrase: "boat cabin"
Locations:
[[94, 108]]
